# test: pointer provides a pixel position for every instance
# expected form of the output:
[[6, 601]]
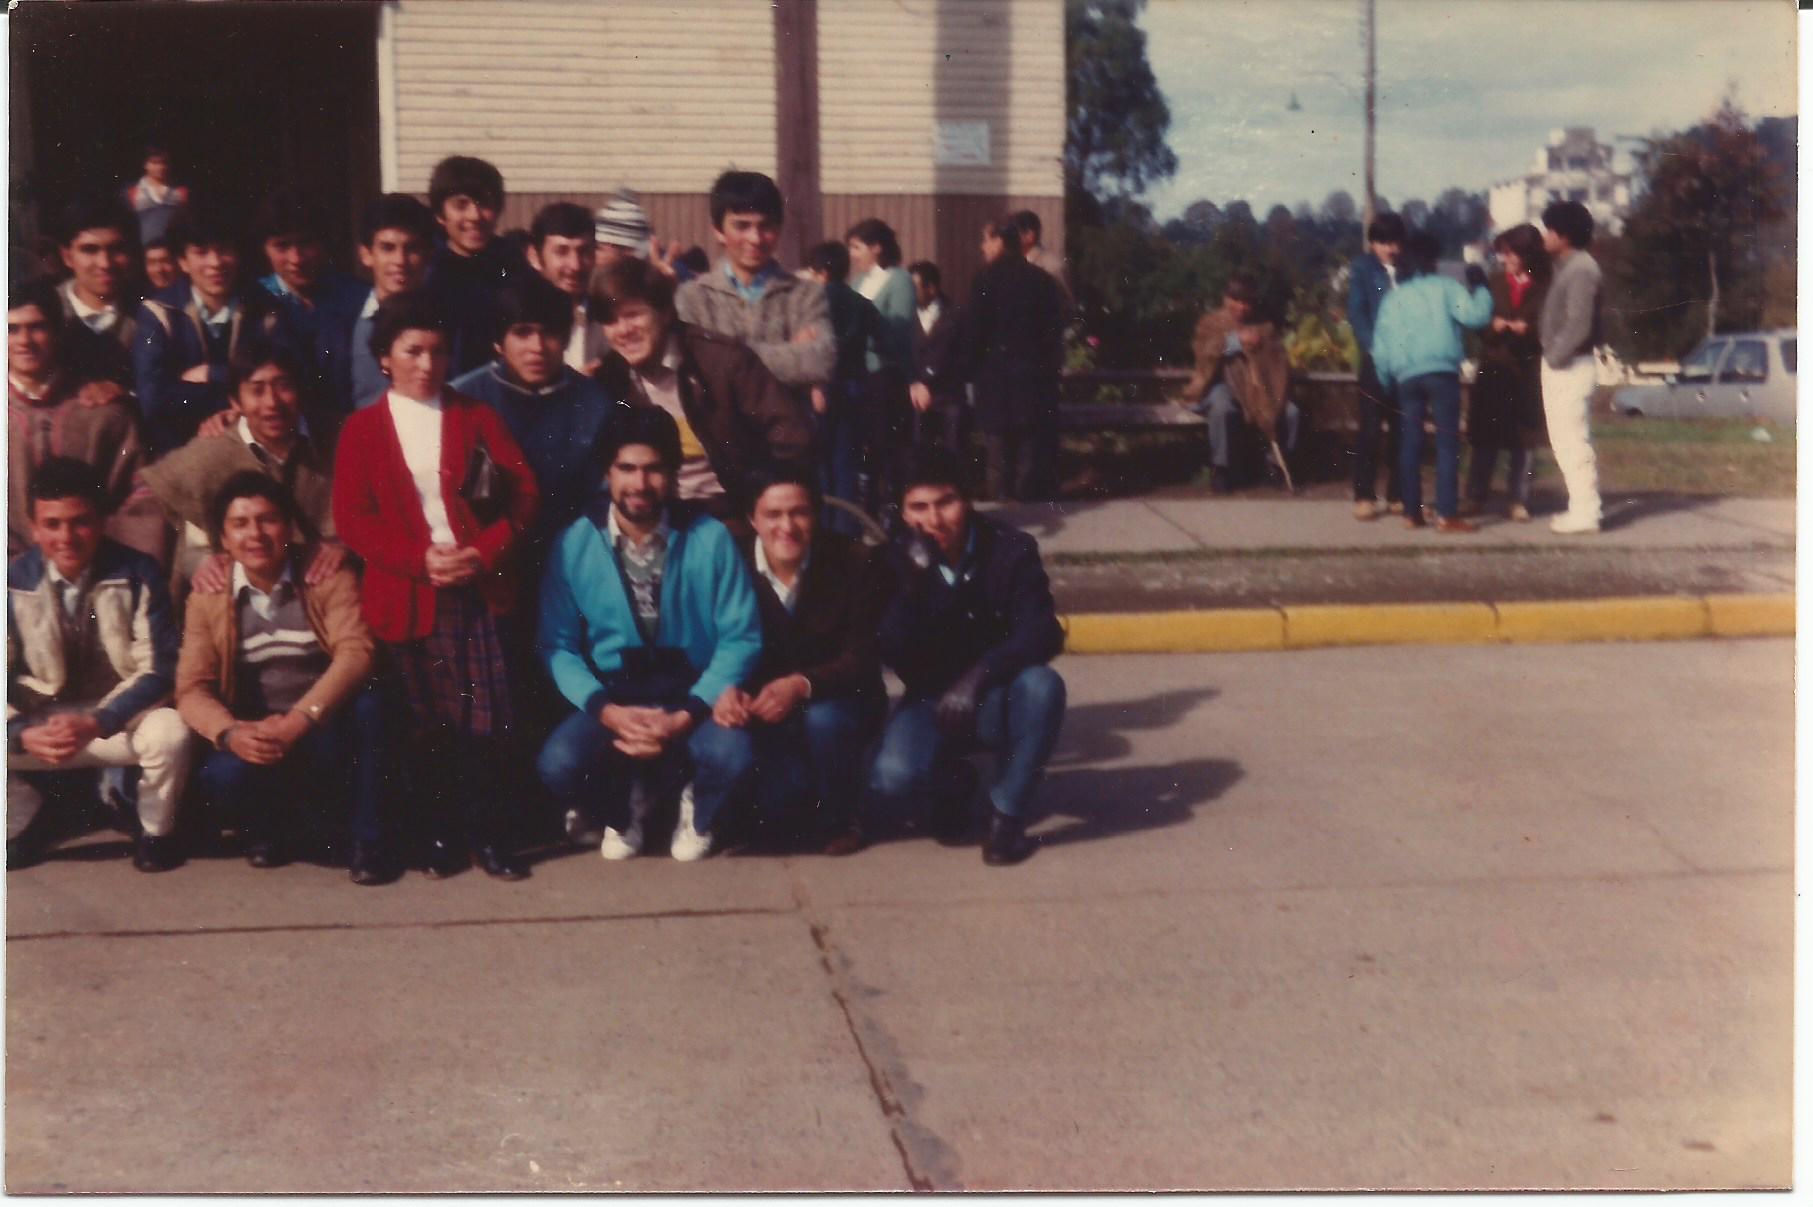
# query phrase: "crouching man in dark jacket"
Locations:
[[970, 631]]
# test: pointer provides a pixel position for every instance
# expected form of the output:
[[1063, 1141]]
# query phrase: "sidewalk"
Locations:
[[1176, 572]]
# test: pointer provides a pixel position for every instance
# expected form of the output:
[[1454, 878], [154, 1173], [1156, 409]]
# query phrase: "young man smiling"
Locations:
[[563, 248], [187, 333], [96, 238], [471, 264], [321, 304], [274, 674], [395, 241], [91, 654], [816, 699], [749, 297], [264, 434]]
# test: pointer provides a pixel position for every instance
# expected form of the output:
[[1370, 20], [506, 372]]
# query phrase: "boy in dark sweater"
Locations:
[[970, 631], [471, 264]]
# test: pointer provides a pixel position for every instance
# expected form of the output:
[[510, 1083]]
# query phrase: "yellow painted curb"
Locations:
[[1208, 631], [1751, 615], [1642, 618], [1313, 625]]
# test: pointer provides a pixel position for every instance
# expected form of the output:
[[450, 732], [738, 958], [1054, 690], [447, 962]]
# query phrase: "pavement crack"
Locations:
[[929, 1162], [179, 932]]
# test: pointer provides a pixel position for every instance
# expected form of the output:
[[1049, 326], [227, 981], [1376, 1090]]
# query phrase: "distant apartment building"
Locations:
[[1574, 166]]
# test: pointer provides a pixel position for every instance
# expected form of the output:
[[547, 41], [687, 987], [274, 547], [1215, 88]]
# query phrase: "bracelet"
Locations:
[[310, 715], [224, 739]]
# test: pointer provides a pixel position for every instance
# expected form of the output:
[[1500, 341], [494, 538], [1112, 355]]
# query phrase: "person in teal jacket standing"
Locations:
[[1416, 347], [647, 614]]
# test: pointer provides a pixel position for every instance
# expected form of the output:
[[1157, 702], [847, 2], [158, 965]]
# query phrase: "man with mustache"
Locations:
[[647, 617]]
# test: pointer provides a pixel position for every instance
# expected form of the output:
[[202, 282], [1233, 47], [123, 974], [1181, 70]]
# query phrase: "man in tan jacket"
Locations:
[[274, 672], [1242, 377]]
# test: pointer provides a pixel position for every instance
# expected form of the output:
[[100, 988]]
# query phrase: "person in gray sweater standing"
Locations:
[[1571, 329]]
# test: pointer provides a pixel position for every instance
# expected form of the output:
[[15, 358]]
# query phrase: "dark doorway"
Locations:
[[247, 96]]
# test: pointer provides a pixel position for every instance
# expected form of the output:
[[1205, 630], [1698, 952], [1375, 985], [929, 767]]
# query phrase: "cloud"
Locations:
[[1468, 89]]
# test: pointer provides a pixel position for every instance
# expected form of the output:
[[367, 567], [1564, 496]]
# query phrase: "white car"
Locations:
[[1740, 375]]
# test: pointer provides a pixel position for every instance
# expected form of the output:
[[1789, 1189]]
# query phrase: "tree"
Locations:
[[1695, 237], [1118, 117], [1338, 208]]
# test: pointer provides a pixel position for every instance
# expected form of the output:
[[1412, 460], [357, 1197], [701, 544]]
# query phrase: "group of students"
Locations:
[[498, 532], [1538, 319]]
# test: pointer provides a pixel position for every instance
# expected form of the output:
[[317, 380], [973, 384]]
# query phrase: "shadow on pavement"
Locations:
[[1095, 733], [1099, 802], [1628, 510]]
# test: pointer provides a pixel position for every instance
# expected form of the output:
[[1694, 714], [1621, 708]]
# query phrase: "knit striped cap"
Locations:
[[623, 223]]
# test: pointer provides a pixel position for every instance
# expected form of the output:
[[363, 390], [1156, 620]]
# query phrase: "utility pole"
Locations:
[[1372, 91], [796, 113]]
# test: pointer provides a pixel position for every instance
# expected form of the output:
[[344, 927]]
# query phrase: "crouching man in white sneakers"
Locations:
[[647, 615]]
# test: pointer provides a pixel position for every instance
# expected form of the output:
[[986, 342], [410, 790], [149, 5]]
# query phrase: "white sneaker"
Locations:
[[627, 843], [688, 844], [1569, 524]]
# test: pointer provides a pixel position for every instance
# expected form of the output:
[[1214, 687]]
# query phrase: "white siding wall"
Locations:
[[885, 81], [583, 95]]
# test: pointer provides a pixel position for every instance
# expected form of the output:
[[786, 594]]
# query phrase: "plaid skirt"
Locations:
[[455, 678]]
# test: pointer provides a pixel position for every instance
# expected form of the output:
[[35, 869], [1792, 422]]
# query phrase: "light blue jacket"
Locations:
[[708, 609], [1419, 327]]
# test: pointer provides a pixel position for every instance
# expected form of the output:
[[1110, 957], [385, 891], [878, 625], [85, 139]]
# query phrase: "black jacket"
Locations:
[[829, 637], [935, 354], [1000, 614], [1011, 344]]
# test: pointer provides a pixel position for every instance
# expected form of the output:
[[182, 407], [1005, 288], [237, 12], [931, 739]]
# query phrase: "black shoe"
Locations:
[[1006, 842], [581, 830], [444, 858], [371, 865], [499, 864], [1220, 482], [23, 852], [265, 853], [154, 854], [951, 817]]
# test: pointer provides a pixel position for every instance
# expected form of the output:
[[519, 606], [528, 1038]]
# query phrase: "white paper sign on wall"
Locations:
[[961, 144]]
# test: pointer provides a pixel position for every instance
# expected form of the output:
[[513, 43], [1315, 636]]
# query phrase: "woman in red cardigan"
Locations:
[[436, 520]]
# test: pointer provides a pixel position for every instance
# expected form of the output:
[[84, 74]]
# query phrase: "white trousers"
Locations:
[[1567, 393], [156, 741]]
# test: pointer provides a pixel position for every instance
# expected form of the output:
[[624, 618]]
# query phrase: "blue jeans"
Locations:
[[342, 758], [1436, 394], [1225, 420], [816, 752], [1018, 720], [585, 771]]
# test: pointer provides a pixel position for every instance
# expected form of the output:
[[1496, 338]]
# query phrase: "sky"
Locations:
[[1468, 89]]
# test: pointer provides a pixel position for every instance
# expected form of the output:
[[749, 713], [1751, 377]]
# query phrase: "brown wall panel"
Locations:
[[946, 230]]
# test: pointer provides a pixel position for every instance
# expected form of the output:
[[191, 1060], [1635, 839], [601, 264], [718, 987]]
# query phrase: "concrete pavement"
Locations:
[[1451, 917]]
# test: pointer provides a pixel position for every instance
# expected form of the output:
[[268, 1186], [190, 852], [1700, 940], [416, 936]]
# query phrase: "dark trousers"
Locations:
[[1378, 409], [816, 754], [583, 768], [1019, 720], [331, 784], [884, 430], [946, 424], [1518, 473], [838, 447], [1436, 395], [1022, 462]]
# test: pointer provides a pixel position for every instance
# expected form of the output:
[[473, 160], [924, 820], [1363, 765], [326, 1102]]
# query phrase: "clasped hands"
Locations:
[[61, 737], [266, 742], [644, 732], [736, 708]]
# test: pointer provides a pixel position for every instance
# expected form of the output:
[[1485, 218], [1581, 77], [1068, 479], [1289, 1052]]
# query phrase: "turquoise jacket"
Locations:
[[708, 609], [1419, 327], [899, 309]]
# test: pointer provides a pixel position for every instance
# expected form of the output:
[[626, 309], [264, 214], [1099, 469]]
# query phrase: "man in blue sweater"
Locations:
[[1371, 277], [1417, 349], [648, 614], [971, 631]]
